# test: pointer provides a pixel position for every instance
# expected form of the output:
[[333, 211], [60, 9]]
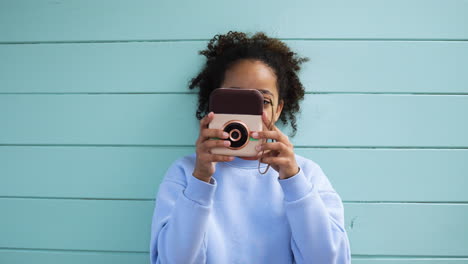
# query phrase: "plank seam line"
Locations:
[[365, 256], [192, 146], [74, 250], [206, 40], [194, 93], [152, 199], [147, 252]]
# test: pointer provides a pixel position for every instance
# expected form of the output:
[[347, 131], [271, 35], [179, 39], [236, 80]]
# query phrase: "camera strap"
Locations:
[[263, 151]]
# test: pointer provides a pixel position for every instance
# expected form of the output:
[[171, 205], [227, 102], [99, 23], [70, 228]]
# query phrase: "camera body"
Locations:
[[238, 112]]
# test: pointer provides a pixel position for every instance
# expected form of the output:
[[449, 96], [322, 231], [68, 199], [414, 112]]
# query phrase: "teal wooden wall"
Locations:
[[85, 88]]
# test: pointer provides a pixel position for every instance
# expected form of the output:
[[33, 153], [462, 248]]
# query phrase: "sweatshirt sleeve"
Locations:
[[316, 216], [182, 208]]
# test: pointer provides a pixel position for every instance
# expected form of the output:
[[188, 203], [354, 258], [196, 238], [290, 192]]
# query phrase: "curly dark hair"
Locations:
[[223, 51]]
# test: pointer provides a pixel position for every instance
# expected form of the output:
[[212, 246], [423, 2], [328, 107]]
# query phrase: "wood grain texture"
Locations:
[[167, 67]]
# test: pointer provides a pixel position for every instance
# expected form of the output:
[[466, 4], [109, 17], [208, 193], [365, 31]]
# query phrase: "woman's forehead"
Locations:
[[249, 74]]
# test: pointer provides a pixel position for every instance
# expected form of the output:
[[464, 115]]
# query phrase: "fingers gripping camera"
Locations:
[[239, 128], [238, 112]]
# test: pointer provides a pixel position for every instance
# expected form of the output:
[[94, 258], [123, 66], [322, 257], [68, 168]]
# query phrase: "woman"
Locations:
[[220, 209]]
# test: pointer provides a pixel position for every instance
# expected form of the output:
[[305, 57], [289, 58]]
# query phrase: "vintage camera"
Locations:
[[238, 112]]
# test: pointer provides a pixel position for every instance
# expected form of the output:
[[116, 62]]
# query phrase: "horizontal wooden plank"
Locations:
[[33, 20], [396, 174], [168, 119], [104, 67], [373, 229], [335, 66], [343, 66], [413, 229], [60, 257], [76, 224], [90, 172]]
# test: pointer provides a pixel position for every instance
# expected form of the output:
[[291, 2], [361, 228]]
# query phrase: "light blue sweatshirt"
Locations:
[[243, 216]]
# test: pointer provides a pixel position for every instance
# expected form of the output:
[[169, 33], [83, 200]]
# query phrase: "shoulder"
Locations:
[[180, 169], [306, 164], [331, 199], [314, 173]]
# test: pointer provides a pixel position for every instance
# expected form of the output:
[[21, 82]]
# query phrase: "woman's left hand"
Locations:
[[279, 154]]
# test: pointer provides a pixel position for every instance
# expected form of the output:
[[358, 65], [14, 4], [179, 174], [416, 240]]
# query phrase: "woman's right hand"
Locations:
[[205, 163]]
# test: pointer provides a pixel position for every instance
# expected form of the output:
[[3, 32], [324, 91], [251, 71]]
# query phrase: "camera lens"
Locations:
[[238, 134], [235, 135]]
